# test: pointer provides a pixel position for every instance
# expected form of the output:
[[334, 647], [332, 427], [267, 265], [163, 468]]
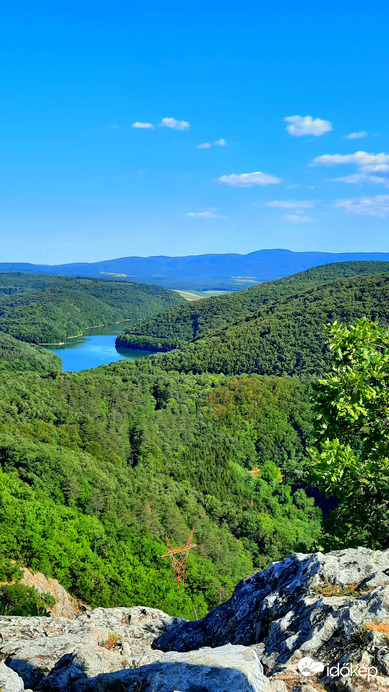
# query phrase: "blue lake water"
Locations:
[[96, 347]]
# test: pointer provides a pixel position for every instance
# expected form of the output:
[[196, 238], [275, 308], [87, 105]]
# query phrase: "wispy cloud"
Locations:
[[356, 135], [376, 168], [359, 178], [208, 145], [360, 158], [292, 204], [248, 179], [174, 124], [142, 126], [114, 127], [366, 206], [306, 125], [297, 218], [372, 168], [204, 215]]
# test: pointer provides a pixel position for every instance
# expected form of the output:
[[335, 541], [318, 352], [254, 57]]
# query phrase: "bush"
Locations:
[[17, 599]]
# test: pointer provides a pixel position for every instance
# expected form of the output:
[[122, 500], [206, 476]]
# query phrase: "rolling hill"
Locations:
[[18, 356], [49, 309], [287, 336], [193, 321]]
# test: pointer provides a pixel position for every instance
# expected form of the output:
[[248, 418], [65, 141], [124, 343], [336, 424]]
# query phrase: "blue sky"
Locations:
[[80, 182]]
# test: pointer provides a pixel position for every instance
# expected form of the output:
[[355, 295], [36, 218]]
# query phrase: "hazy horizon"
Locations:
[[200, 254]]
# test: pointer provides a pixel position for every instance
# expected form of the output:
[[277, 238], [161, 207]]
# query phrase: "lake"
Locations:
[[96, 347]]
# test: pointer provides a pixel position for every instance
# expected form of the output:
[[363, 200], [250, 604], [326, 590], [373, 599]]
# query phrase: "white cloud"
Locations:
[[114, 127], [356, 135], [208, 145], [376, 168], [292, 204], [358, 178], [297, 218], [291, 187], [372, 168], [248, 179], [306, 125], [174, 124], [143, 126], [360, 158], [204, 215], [367, 206]]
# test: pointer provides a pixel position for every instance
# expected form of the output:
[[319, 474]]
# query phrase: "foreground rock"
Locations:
[[225, 669], [10, 681], [330, 610], [54, 653]]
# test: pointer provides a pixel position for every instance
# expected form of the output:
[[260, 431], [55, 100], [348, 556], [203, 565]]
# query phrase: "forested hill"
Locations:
[[286, 336], [18, 356], [97, 467], [199, 319], [48, 309]]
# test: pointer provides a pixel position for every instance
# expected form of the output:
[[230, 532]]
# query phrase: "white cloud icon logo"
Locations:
[[307, 666]]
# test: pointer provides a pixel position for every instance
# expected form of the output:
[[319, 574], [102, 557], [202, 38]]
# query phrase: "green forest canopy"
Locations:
[[99, 466], [196, 320], [48, 309], [16, 355], [286, 336]]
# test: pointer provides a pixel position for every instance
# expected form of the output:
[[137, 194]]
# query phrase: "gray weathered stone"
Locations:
[[225, 669], [9, 680], [98, 641], [284, 607]]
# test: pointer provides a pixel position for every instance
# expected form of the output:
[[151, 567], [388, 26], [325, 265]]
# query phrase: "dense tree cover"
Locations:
[[287, 336], [16, 355], [18, 599], [350, 453], [196, 320], [48, 309], [98, 466]]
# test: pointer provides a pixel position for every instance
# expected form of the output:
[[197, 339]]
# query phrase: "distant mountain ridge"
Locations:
[[224, 271]]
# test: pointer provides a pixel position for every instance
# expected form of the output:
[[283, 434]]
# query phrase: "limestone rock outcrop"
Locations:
[[66, 606], [53, 653], [227, 668], [310, 622], [9, 680]]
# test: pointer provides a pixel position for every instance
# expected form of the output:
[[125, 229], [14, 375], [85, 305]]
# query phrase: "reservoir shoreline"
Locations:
[[95, 347], [78, 336]]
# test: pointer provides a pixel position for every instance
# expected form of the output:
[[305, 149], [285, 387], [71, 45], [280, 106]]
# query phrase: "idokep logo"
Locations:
[[349, 671], [307, 666]]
